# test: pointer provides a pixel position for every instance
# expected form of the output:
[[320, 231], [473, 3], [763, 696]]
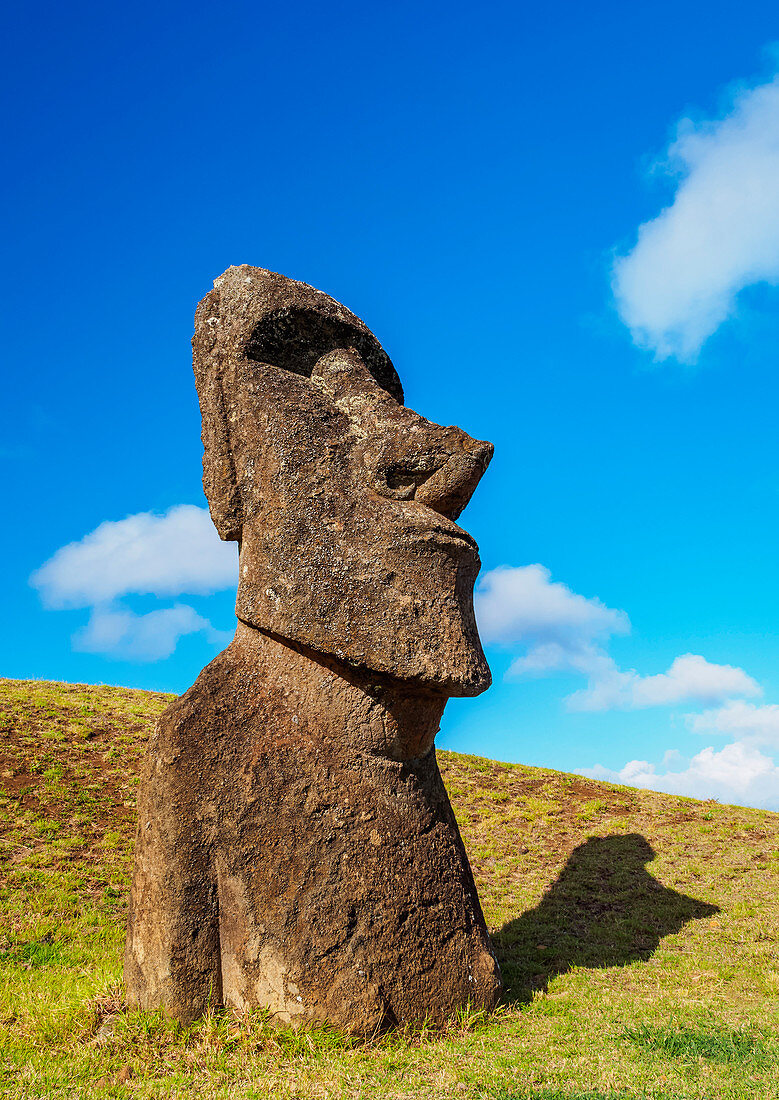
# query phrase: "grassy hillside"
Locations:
[[637, 934]]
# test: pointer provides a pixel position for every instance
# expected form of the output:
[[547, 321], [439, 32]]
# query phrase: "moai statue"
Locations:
[[296, 849]]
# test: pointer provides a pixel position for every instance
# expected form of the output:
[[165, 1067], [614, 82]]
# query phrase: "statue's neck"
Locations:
[[328, 701]]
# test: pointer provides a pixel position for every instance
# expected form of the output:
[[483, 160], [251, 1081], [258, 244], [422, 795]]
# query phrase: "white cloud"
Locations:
[[163, 555], [144, 554], [126, 636], [562, 631], [690, 679], [524, 604], [719, 235], [738, 773], [756, 725]]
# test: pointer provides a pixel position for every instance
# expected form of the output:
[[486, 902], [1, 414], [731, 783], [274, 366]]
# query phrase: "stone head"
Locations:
[[342, 500]]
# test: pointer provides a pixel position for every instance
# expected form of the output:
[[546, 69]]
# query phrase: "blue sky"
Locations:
[[471, 182]]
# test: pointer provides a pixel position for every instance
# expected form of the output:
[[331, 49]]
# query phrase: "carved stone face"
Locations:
[[342, 500]]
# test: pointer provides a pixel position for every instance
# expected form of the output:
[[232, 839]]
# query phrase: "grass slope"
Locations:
[[637, 934]]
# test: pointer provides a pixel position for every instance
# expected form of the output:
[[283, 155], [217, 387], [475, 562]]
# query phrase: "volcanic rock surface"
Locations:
[[296, 849]]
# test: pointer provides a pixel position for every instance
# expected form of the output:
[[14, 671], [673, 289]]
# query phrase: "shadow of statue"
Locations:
[[605, 909]]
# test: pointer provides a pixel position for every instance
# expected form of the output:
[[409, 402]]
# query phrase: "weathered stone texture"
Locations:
[[296, 848]]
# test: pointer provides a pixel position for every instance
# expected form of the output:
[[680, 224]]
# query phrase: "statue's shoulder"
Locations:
[[201, 711]]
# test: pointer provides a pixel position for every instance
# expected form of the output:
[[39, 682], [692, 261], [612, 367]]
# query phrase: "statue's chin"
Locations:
[[442, 656]]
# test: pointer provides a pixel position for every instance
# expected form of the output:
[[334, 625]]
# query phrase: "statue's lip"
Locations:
[[425, 524], [453, 534]]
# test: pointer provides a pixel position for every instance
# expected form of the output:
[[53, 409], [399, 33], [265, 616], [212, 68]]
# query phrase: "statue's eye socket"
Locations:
[[404, 478], [294, 339]]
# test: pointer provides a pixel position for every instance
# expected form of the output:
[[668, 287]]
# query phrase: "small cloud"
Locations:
[[719, 234], [561, 631], [564, 632], [144, 554], [673, 758], [756, 725], [523, 604], [123, 635], [690, 679], [738, 773], [166, 555]]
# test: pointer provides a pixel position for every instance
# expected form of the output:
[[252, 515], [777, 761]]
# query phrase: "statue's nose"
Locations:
[[406, 456], [438, 467], [450, 488]]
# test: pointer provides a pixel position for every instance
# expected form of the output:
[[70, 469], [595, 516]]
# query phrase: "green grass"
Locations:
[[637, 933], [740, 1047]]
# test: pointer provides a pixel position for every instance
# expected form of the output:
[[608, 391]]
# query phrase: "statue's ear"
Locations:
[[219, 480]]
